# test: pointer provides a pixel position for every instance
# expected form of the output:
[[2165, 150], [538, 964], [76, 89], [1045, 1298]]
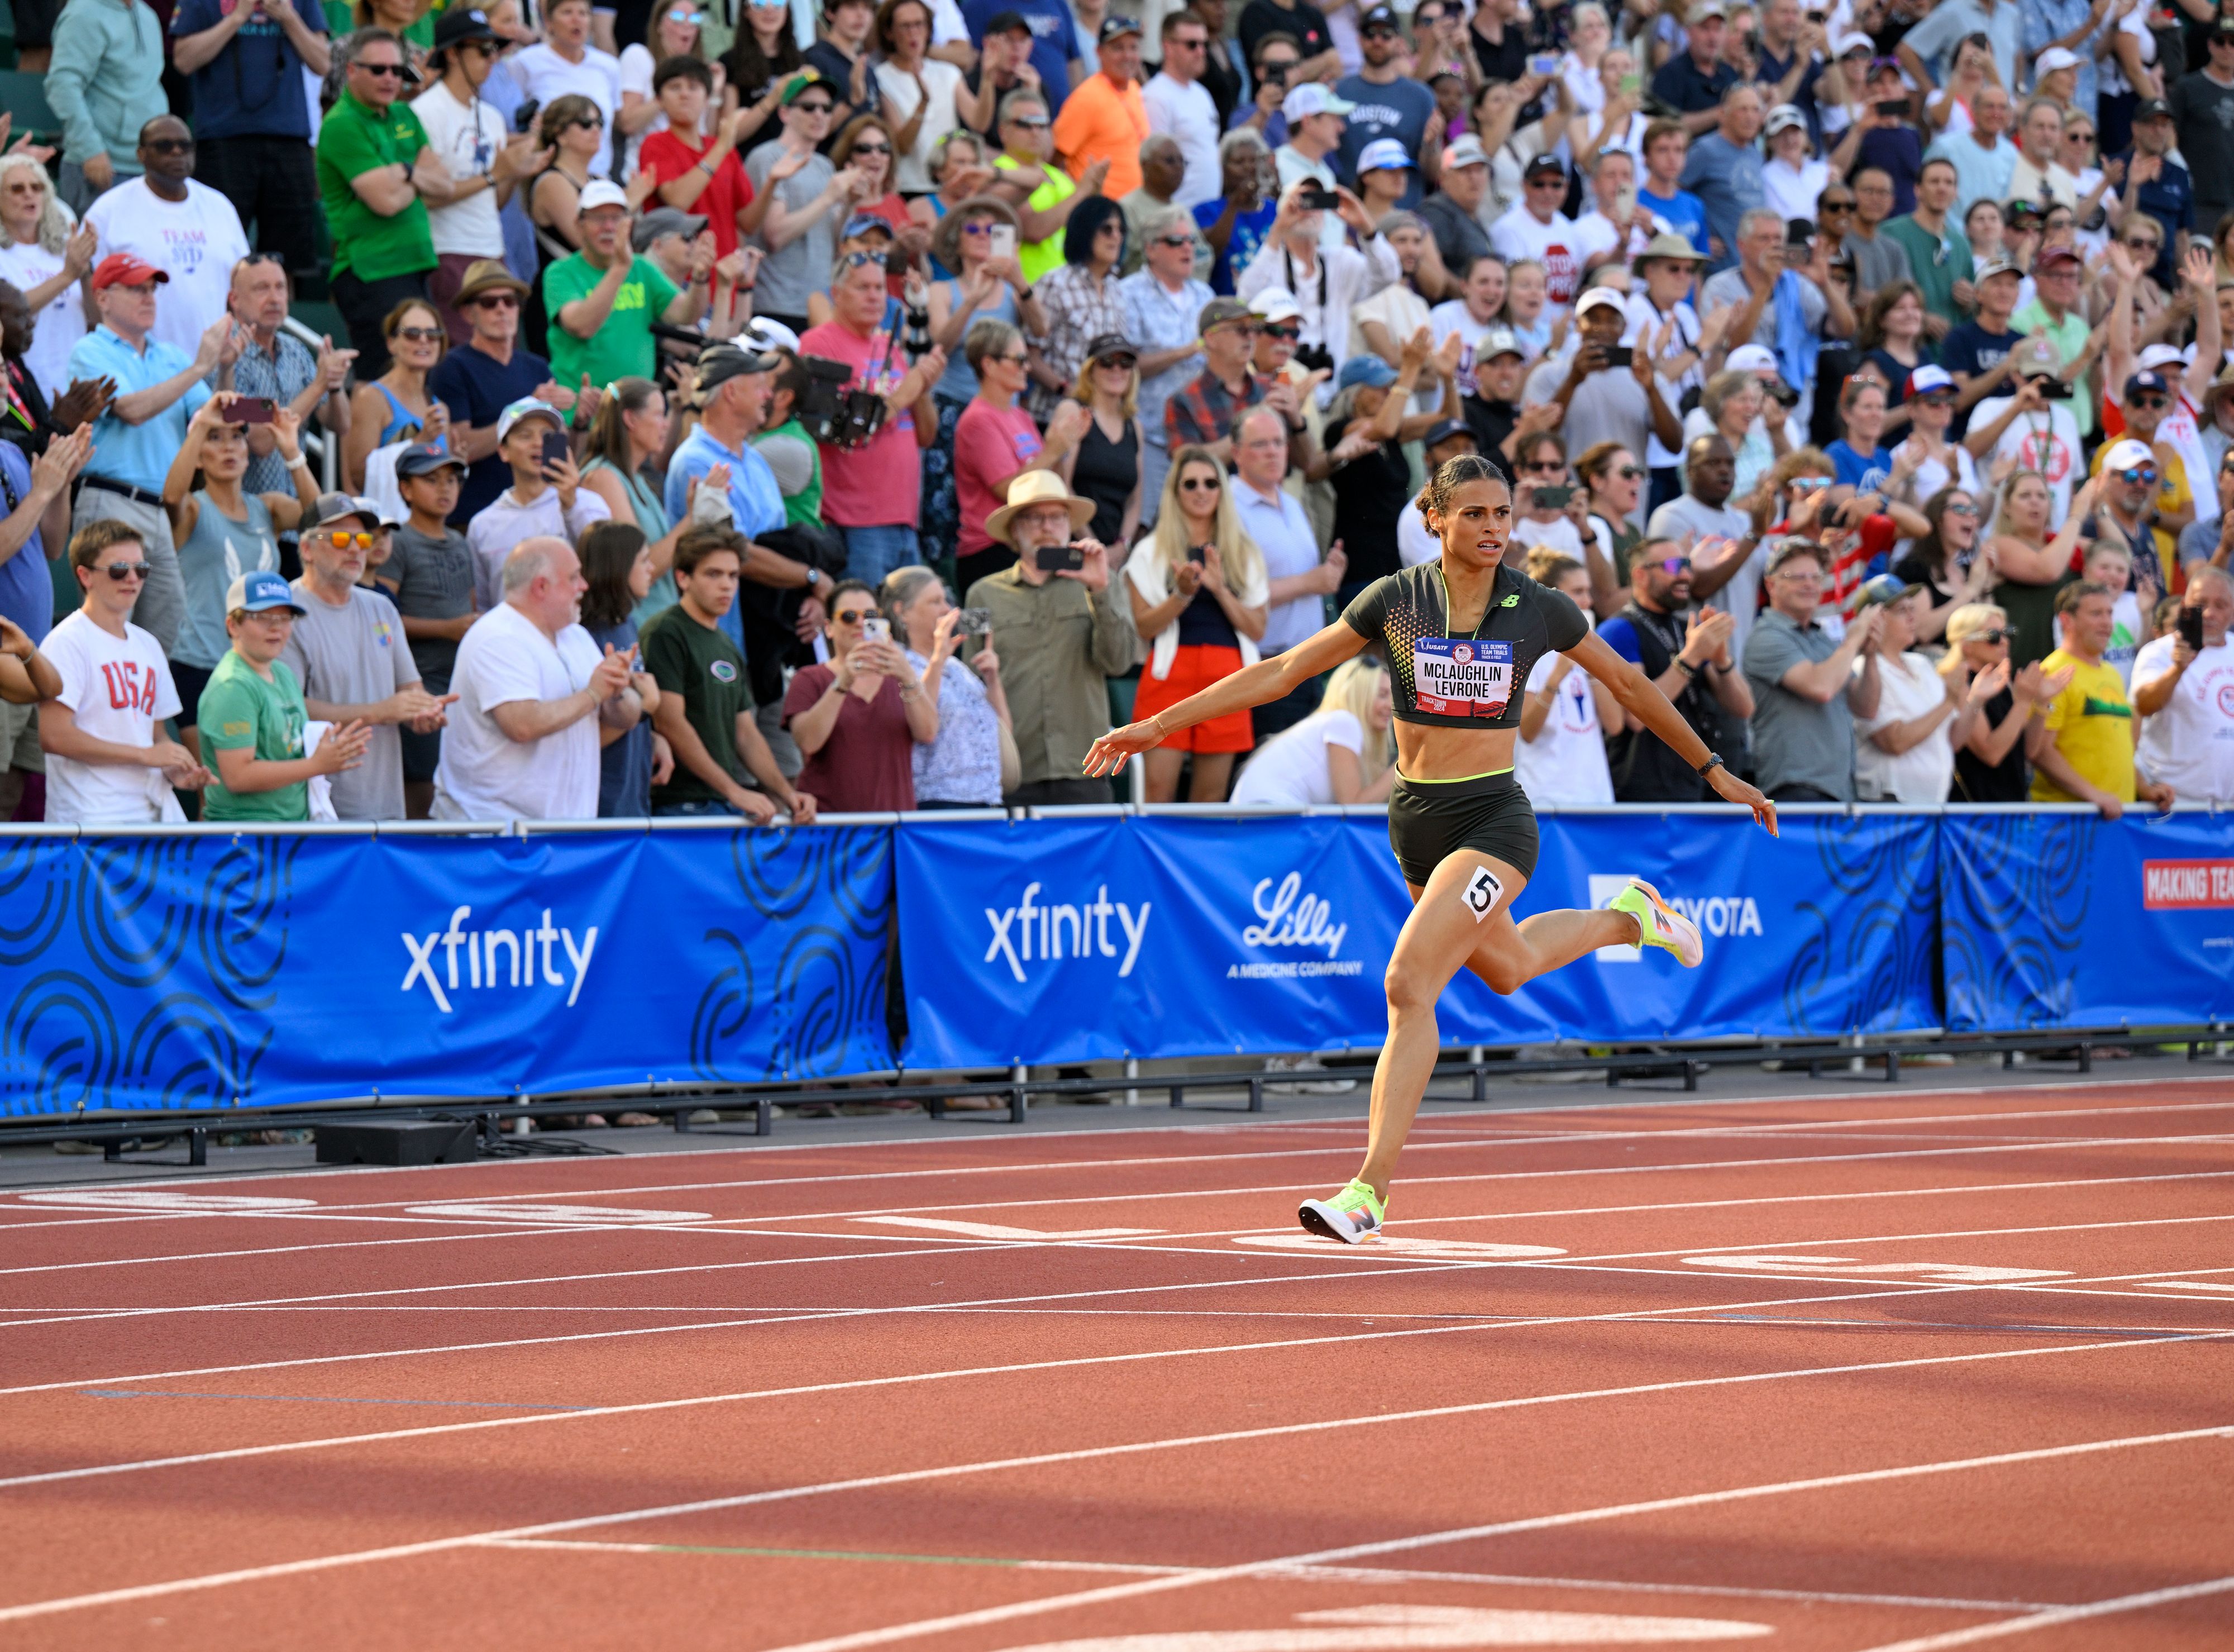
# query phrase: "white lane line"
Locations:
[[1134, 1357], [1381, 1575], [1122, 1591], [1340, 1269], [2056, 1615], [1873, 1114]]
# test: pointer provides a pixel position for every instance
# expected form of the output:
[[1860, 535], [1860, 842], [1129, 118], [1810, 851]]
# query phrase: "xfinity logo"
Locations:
[[495, 957], [1291, 918], [1062, 932], [1715, 915]]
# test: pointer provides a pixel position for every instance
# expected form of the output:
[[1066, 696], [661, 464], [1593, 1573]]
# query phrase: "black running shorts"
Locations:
[[1428, 819]]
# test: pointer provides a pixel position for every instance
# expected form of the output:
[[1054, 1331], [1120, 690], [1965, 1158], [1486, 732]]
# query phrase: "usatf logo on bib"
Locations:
[[1461, 679]]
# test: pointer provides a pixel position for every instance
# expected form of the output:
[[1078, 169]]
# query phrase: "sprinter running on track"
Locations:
[[1462, 635]]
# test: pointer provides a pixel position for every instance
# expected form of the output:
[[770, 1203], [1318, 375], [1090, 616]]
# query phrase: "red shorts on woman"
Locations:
[[1194, 668]]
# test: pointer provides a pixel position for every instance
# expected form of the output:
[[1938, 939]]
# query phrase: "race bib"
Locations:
[[1461, 679]]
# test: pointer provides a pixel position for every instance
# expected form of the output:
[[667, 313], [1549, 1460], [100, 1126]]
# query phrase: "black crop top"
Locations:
[[1471, 682]]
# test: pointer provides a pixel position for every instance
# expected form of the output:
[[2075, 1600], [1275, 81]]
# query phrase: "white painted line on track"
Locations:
[[2056, 1616], [1122, 1591], [1873, 1114]]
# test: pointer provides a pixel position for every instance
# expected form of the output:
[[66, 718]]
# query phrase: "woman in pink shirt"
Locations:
[[996, 441]]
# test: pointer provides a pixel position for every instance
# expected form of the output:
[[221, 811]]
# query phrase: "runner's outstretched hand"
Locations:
[[1117, 747], [1731, 789]]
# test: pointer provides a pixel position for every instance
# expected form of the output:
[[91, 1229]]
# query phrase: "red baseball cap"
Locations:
[[122, 268]]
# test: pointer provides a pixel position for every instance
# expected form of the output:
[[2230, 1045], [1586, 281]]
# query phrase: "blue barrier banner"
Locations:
[[2068, 920], [1069, 940], [213, 970]]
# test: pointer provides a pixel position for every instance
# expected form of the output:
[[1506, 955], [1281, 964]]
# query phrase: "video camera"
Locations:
[[833, 413]]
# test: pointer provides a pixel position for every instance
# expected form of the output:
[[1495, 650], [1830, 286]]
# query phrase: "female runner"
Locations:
[[1462, 635]]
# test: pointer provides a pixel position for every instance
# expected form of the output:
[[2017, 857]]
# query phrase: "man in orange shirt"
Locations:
[[1103, 119]]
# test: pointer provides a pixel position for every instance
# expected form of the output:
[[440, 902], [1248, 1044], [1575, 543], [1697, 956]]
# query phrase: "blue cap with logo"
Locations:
[[1367, 369], [259, 592], [1383, 155]]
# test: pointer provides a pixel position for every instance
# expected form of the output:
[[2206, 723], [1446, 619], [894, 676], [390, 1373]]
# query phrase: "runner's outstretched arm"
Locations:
[[1642, 699], [1253, 685]]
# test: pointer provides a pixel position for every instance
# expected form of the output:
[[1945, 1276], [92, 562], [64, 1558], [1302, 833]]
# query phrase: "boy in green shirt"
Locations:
[[603, 300], [705, 702], [253, 720]]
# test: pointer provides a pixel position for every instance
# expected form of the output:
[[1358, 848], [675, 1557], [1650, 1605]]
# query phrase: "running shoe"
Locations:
[[1662, 924], [1352, 1216]]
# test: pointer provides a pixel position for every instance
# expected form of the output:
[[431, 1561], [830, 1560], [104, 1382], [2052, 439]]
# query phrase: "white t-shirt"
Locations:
[[1566, 761], [1517, 235], [1923, 771], [2046, 443], [1188, 114], [504, 522], [483, 773], [911, 176], [2125, 637], [544, 75], [467, 140], [119, 687], [1791, 191], [1450, 317], [195, 241], [1645, 323], [1741, 597], [61, 324], [2188, 746], [1932, 475], [1291, 766], [1560, 535], [1595, 233], [1415, 545]]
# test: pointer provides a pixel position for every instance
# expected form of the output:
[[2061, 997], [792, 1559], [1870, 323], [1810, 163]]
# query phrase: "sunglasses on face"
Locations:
[[816, 108], [1811, 577], [343, 539], [1017, 360], [2143, 243], [1029, 122], [2002, 636], [1959, 509], [1175, 240], [2147, 403], [982, 227], [170, 146], [1291, 334], [2140, 475], [1546, 467], [852, 616], [872, 149], [1834, 207], [1675, 566], [419, 334], [1199, 484], [382, 68], [1122, 363], [1630, 473], [120, 571]]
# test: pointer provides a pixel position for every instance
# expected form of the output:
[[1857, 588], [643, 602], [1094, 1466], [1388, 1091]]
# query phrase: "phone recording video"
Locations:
[[557, 449], [251, 410], [1059, 559]]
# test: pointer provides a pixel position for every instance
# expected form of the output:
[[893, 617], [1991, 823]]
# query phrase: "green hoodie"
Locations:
[[105, 78]]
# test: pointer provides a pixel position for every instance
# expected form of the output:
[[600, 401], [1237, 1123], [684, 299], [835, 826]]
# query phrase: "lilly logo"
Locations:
[[521, 950], [1065, 931], [1289, 915], [722, 671]]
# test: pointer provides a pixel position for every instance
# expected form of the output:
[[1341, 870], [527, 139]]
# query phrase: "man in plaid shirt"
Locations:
[[274, 365], [1203, 412]]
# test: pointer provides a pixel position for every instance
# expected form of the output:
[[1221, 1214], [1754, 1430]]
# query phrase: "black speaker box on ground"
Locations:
[[416, 1141]]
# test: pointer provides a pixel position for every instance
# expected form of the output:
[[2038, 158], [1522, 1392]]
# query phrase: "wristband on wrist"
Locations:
[[1713, 760], [1686, 666]]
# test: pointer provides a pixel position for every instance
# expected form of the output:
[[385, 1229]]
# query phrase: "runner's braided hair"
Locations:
[[1454, 474]]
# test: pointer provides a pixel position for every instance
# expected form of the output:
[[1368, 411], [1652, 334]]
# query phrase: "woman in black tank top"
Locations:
[[1462, 635]]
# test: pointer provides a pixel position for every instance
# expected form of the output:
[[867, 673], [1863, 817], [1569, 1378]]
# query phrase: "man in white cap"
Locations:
[[546, 496], [1762, 364], [1603, 401], [1317, 119], [603, 300], [1982, 157], [1452, 213]]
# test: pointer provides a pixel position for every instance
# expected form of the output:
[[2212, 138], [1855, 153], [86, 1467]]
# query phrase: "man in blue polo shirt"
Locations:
[[1055, 39], [158, 390], [1692, 84]]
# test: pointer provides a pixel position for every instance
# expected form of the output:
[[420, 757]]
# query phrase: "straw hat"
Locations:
[[1037, 487]]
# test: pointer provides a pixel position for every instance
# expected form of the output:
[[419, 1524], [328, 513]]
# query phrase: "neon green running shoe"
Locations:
[[1352, 1216], [1661, 923]]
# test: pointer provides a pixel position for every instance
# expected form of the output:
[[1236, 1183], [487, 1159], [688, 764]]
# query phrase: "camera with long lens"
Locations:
[[832, 412]]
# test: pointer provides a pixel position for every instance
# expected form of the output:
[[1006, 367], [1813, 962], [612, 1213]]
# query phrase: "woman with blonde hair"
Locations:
[[2021, 546], [45, 254], [1105, 466], [1340, 753], [1200, 599]]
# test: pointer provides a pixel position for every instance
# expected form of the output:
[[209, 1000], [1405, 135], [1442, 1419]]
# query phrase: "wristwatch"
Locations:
[[1713, 760]]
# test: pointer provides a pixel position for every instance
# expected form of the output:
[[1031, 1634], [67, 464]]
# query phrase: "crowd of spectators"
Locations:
[[758, 412]]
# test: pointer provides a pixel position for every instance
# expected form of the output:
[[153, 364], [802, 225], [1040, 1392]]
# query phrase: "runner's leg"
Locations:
[[1511, 955], [1438, 939]]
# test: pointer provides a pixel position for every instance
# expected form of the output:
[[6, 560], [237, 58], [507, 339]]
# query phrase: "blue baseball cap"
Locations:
[[1383, 153], [2146, 379], [1365, 368], [260, 592]]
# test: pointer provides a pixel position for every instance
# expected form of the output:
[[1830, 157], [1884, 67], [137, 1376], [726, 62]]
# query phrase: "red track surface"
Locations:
[[390, 1416]]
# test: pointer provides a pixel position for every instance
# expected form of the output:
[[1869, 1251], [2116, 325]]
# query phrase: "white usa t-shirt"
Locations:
[[118, 688], [485, 775], [1452, 316], [1554, 245], [1566, 761], [195, 241], [61, 324], [2046, 443]]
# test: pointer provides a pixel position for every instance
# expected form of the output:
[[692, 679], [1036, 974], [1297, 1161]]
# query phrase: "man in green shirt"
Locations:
[[2055, 310], [376, 175], [785, 443], [253, 717], [603, 300], [1938, 253], [705, 702]]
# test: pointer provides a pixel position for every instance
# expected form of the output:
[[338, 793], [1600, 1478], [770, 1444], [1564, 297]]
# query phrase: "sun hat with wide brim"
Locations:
[[484, 275], [1037, 487]]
